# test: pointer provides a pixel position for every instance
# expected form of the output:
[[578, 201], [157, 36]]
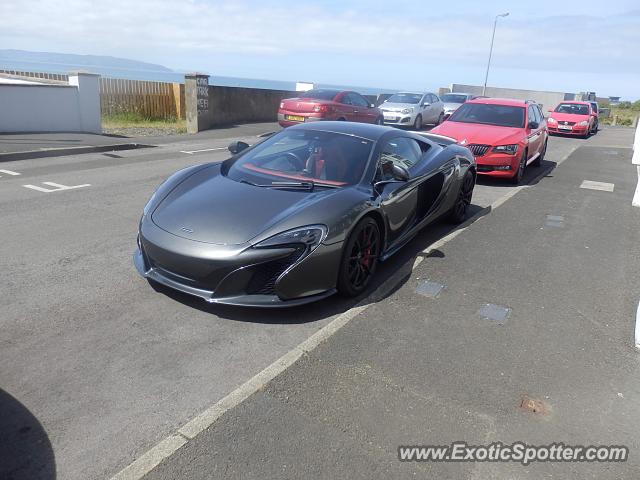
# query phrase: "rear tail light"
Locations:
[[322, 109]]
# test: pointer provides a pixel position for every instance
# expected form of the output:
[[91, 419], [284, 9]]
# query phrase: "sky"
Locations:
[[393, 44]]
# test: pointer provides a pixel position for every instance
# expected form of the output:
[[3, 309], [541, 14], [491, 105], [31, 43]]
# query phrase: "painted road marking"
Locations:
[[57, 187], [603, 186], [9, 172], [191, 152], [152, 458], [638, 327]]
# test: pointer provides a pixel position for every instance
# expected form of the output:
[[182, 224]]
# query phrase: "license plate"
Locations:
[[565, 127], [390, 119], [294, 118]]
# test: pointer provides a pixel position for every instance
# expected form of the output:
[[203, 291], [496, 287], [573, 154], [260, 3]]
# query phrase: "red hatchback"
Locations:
[[574, 118], [504, 135], [325, 104]]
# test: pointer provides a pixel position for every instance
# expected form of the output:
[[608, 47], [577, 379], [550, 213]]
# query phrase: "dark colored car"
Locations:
[[504, 135], [303, 214], [327, 104]]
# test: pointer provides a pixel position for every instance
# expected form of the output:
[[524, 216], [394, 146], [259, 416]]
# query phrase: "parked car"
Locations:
[[327, 104], [306, 213], [407, 109], [504, 135], [572, 118], [452, 101], [596, 115]]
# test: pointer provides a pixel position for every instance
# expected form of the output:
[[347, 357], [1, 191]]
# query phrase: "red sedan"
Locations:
[[573, 118], [325, 104], [504, 135]]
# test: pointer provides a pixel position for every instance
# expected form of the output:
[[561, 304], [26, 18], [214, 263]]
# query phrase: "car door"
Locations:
[[398, 200], [438, 107], [346, 108], [363, 112], [534, 135]]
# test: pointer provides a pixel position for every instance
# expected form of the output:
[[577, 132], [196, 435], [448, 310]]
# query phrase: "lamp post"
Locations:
[[493, 35]]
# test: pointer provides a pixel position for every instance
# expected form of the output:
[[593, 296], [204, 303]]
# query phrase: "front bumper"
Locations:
[[575, 129], [399, 119], [278, 277], [498, 164]]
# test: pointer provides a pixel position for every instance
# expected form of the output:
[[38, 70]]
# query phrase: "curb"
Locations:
[[61, 152]]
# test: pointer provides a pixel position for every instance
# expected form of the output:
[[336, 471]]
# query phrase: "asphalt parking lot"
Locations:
[[103, 367]]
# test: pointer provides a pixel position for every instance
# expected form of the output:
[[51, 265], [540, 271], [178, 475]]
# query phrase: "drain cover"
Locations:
[[429, 289], [496, 313], [554, 221]]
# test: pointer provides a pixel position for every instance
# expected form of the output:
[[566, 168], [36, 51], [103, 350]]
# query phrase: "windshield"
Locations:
[[453, 98], [405, 98], [328, 158], [499, 115], [320, 94], [574, 108]]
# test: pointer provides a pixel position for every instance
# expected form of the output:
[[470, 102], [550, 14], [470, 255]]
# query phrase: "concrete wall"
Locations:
[[231, 105], [32, 107], [547, 99]]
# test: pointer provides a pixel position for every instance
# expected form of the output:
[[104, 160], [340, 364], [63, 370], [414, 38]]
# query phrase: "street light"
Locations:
[[493, 35]]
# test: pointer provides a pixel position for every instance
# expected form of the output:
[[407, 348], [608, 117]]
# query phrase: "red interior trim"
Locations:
[[251, 166]]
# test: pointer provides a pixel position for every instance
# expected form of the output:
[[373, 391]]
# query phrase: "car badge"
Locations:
[[463, 141]]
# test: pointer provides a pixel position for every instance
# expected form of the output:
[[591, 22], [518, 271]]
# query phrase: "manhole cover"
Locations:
[[429, 289], [495, 313]]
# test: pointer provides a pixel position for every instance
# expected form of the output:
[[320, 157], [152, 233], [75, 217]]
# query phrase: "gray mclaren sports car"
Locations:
[[306, 213]]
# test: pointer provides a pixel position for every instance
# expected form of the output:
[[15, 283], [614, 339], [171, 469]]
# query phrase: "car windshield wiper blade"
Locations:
[[307, 185]]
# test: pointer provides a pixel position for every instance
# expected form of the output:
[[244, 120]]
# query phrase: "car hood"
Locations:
[[568, 117], [478, 133], [451, 106], [397, 106], [209, 207]]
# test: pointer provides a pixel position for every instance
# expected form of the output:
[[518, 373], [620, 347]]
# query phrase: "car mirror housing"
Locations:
[[372, 105], [400, 173], [533, 125], [426, 104], [237, 147]]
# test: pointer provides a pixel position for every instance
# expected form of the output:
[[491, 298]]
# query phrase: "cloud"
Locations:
[[397, 34]]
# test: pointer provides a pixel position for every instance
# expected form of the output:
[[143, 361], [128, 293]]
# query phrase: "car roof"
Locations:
[[502, 101], [576, 102], [367, 131]]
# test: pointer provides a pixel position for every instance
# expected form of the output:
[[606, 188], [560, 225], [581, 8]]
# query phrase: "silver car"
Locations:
[[408, 109], [453, 100]]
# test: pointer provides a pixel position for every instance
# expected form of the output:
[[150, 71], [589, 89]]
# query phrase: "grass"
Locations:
[[626, 114], [135, 120]]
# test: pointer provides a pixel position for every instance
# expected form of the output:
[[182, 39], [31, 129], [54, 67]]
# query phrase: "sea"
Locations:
[[177, 77]]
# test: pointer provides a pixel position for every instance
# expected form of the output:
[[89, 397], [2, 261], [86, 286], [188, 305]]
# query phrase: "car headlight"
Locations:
[[552, 120], [508, 149], [310, 236], [583, 123], [407, 110]]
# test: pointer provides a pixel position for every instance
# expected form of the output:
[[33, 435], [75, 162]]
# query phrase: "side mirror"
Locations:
[[549, 109], [400, 173], [426, 104], [237, 147], [533, 125], [372, 105]]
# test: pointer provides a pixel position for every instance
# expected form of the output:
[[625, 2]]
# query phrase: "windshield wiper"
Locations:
[[308, 185]]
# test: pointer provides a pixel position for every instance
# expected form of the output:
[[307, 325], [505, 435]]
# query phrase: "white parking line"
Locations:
[[57, 187], [638, 327], [191, 152], [603, 186], [9, 172]]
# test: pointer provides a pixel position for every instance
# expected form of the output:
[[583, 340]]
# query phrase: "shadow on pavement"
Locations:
[[25, 449], [335, 305]]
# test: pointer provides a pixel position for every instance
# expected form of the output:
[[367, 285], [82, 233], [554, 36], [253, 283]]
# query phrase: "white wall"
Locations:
[[29, 107]]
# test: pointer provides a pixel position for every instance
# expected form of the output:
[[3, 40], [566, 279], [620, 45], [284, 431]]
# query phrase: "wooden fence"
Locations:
[[118, 96]]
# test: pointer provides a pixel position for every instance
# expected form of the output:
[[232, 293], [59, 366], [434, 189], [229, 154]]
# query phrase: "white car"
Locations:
[[408, 109]]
